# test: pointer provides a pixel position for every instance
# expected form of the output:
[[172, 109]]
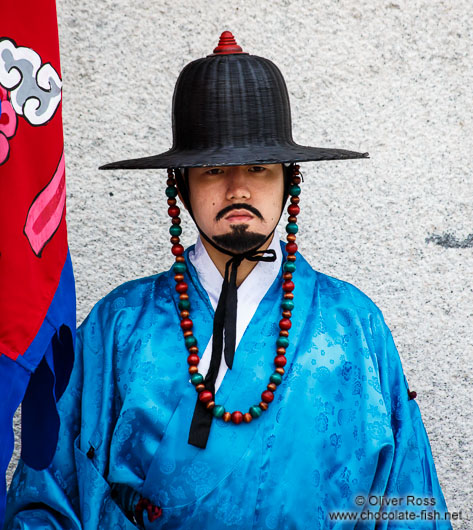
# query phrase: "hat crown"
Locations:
[[230, 109], [230, 99]]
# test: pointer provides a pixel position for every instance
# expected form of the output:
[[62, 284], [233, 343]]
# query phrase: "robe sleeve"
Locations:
[[408, 475], [49, 498]]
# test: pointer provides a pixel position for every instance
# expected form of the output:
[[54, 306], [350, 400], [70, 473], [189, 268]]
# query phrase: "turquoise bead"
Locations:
[[179, 268], [218, 411], [175, 230], [287, 305], [255, 411], [292, 228], [190, 341], [282, 342], [171, 192], [295, 191], [276, 378], [196, 379], [184, 305], [289, 266]]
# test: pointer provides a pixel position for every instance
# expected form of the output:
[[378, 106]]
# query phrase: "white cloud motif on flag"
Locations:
[[35, 88]]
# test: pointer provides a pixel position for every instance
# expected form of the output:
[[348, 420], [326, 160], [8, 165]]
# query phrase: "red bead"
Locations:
[[186, 323], [237, 417], [177, 250], [288, 286], [193, 359], [172, 202], [285, 323], [293, 209], [174, 211], [267, 396], [205, 396], [181, 287], [291, 248], [280, 361], [176, 220]]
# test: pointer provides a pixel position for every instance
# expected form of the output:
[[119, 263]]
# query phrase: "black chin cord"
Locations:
[[224, 321]]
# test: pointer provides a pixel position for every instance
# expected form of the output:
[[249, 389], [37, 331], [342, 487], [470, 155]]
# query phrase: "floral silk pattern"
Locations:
[[341, 425]]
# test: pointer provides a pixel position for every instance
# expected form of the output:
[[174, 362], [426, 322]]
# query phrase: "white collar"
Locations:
[[255, 285]]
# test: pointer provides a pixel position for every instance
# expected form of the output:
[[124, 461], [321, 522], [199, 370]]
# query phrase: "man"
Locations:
[[241, 389]]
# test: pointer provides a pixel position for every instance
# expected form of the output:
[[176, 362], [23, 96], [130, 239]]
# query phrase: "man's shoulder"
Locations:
[[335, 292], [133, 295]]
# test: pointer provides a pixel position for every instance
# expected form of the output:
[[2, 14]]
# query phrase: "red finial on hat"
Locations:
[[227, 44]]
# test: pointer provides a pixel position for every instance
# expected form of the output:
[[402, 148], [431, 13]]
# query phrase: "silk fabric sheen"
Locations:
[[341, 424]]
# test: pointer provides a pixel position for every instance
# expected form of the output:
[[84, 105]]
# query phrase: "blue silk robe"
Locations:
[[341, 427]]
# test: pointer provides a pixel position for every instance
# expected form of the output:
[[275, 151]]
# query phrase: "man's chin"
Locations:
[[239, 240]]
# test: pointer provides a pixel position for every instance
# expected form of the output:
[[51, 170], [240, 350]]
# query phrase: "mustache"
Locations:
[[238, 206]]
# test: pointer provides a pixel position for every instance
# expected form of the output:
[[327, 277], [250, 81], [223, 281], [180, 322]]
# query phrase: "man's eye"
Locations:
[[256, 169], [214, 171]]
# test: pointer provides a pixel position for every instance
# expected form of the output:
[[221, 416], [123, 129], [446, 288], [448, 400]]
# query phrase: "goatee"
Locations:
[[239, 240]]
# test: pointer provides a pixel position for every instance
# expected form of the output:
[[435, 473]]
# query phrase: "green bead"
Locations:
[[287, 305], [171, 192], [282, 342], [289, 266], [179, 267], [255, 411], [276, 378], [292, 228], [218, 411], [184, 305], [190, 341], [175, 230], [196, 379], [295, 190]]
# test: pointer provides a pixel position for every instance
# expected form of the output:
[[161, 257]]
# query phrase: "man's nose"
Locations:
[[237, 183]]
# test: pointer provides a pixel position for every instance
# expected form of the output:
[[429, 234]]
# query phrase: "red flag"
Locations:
[[37, 298]]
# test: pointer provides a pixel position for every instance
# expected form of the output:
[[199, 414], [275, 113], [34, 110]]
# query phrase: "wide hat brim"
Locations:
[[235, 156]]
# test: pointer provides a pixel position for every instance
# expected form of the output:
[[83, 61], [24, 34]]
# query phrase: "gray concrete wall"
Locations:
[[391, 78]]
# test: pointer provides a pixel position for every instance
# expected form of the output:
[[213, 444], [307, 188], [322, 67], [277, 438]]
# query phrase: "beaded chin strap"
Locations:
[[206, 397]]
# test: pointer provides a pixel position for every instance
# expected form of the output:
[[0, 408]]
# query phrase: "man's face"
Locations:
[[237, 206]]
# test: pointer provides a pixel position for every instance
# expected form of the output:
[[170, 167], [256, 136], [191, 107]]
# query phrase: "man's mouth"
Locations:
[[239, 216]]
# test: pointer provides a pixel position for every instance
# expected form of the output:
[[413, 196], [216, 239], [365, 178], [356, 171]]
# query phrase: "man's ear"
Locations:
[[181, 188]]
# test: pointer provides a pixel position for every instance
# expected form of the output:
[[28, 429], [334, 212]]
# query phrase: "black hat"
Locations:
[[231, 108]]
